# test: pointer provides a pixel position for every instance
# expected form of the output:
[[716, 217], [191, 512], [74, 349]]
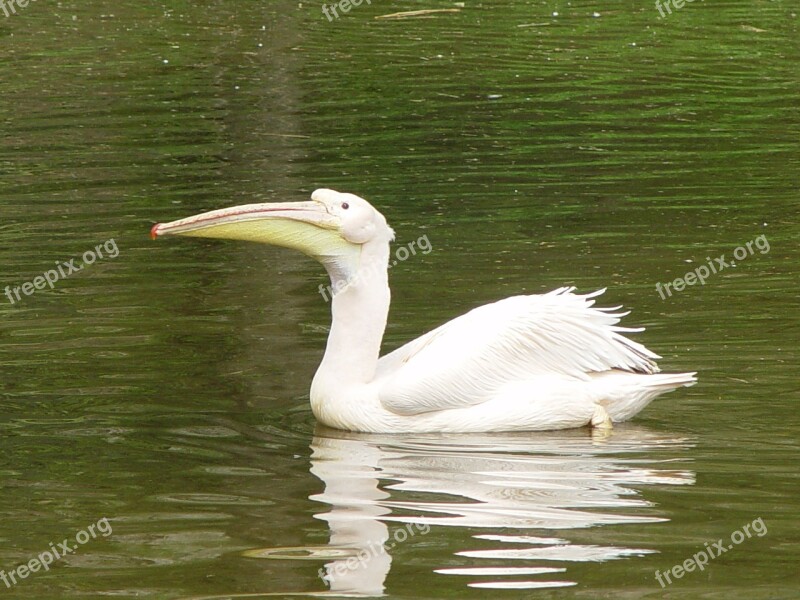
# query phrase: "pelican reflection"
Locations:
[[523, 493]]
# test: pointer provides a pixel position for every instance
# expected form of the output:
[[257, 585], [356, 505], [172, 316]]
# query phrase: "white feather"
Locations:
[[470, 359]]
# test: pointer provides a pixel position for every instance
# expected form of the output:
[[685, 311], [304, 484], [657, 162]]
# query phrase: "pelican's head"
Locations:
[[331, 227]]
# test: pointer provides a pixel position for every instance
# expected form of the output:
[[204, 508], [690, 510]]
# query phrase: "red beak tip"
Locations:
[[154, 231]]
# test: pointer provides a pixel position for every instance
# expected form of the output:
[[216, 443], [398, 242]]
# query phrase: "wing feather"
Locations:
[[463, 362]]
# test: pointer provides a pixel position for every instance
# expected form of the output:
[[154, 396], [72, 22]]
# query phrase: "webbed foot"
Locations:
[[600, 419]]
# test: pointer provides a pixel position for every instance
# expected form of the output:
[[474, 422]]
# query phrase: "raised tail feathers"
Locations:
[[624, 394]]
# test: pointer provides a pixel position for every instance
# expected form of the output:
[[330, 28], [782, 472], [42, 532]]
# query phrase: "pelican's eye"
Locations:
[[345, 205]]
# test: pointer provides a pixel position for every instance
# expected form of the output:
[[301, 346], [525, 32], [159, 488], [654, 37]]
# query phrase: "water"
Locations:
[[165, 388]]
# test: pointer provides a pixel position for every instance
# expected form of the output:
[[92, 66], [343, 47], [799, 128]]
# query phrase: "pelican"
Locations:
[[525, 363]]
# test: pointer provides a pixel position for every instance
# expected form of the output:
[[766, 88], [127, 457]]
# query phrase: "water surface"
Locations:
[[536, 145]]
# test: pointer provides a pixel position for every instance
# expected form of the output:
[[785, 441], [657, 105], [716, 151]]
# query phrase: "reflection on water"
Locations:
[[507, 487]]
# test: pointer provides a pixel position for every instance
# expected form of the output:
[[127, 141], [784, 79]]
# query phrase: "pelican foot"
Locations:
[[600, 419]]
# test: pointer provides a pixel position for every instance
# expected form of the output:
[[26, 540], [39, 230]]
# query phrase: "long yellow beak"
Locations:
[[304, 226]]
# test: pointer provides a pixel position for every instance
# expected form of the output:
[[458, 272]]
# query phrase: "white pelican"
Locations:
[[538, 362]]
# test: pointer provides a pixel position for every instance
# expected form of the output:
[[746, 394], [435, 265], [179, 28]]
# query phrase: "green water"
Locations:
[[165, 388]]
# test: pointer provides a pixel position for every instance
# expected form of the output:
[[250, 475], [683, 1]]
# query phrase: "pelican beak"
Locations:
[[304, 226]]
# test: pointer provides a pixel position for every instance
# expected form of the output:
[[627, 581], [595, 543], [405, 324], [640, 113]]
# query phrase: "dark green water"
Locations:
[[165, 388]]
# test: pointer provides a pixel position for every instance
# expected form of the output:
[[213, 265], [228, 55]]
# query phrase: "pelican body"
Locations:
[[525, 363]]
